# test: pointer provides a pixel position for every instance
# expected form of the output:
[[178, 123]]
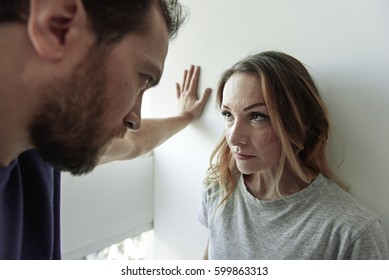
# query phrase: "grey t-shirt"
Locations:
[[320, 222]]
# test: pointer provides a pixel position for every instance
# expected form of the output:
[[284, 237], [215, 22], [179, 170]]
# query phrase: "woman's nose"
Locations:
[[237, 135]]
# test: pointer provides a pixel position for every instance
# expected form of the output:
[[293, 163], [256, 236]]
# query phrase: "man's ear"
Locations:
[[54, 25]]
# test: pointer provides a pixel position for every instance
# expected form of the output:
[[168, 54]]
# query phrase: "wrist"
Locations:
[[187, 117]]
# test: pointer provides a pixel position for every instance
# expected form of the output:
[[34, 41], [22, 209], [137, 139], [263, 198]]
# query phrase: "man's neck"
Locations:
[[17, 100], [13, 137]]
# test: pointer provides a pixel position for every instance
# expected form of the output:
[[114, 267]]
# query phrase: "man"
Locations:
[[72, 79]]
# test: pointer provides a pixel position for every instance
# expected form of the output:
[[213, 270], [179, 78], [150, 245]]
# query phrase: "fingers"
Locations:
[[205, 97], [187, 78], [190, 83], [194, 79], [199, 105], [178, 90], [191, 79], [184, 81]]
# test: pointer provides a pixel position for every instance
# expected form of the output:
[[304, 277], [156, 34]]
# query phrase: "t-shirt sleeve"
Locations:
[[203, 213], [370, 245]]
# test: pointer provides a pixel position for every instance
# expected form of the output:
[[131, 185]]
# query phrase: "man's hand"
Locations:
[[189, 104]]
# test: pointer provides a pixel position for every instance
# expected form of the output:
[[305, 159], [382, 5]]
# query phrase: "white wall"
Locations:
[[111, 204], [344, 42]]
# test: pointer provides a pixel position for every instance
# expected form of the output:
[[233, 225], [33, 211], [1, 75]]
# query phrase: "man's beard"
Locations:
[[68, 130]]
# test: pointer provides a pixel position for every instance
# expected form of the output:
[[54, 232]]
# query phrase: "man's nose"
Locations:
[[133, 120]]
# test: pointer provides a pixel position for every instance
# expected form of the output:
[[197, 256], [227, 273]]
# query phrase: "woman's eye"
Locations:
[[258, 117]]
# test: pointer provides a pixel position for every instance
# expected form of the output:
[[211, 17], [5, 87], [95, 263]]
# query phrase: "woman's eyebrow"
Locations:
[[248, 107], [253, 106]]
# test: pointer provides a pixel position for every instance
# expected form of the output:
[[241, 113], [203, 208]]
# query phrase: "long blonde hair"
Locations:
[[298, 115]]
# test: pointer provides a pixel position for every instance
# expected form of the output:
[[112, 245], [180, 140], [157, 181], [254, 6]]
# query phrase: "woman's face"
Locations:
[[248, 129]]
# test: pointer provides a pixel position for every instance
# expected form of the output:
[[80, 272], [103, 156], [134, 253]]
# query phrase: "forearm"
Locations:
[[152, 134], [156, 131]]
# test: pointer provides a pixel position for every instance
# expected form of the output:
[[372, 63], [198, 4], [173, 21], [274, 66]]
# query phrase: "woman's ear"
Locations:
[[54, 25]]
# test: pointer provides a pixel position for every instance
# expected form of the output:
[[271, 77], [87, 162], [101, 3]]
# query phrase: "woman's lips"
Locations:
[[243, 156]]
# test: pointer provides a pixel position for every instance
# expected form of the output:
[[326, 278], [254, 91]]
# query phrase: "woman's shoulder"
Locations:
[[341, 204]]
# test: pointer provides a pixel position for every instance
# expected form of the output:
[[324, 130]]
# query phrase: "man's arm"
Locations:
[[154, 132]]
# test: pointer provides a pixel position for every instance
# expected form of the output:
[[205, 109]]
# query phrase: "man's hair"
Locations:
[[110, 20]]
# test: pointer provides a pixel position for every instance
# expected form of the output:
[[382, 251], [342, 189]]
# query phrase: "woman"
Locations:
[[270, 194]]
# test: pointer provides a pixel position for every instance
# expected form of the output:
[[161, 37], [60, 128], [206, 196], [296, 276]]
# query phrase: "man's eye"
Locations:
[[147, 81], [226, 115], [150, 81]]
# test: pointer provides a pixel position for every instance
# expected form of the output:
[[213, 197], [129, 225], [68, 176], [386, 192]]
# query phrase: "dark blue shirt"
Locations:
[[29, 209]]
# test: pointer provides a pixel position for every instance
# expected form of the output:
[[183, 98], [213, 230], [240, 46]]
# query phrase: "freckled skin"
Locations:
[[250, 131]]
